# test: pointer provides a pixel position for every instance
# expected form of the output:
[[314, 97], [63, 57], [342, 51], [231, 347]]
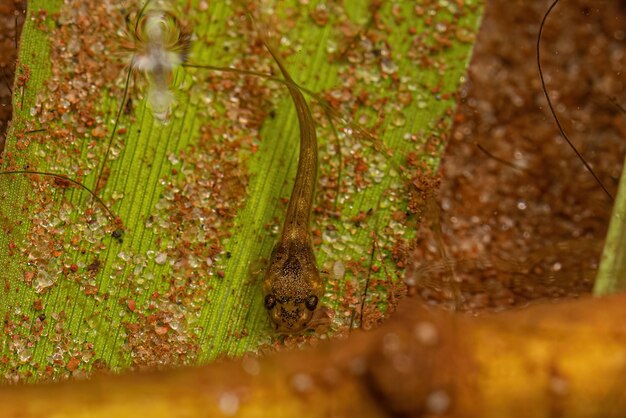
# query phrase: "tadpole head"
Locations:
[[290, 315], [292, 288]]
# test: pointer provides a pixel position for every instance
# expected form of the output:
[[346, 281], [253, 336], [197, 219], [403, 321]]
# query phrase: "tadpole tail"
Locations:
[[301, 202], [558, 123]]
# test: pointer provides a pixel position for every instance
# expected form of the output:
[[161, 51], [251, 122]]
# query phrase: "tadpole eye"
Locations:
[[311, 302], [270, 301]]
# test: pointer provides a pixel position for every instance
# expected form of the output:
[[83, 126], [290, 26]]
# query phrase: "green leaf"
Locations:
[[202, 197], [612, 271]]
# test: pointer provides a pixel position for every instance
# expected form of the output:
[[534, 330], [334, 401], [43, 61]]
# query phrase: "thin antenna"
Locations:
[[117, 120], [329, 111], [371, 263], [614, 101], [498, 159], [328, 108], [369, 275], [65, 178], [558, 123]]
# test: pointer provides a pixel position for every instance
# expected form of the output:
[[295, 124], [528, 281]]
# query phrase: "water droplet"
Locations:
[[117, 195], [339, 270], [251, 365], [559, 385], [42, 281], [398, 119], [357, 366], [331, 47], [388, 66], [173, 159], [426, 333], [160, 258], [228, 403], [302, 382], [438, 402], [391, 343], [122, 255], [24, 354]]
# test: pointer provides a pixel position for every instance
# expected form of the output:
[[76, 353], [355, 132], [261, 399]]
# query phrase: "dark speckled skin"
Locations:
[[292, 276]]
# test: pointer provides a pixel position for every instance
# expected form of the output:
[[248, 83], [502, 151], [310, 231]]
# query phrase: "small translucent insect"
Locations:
[[157, 44]]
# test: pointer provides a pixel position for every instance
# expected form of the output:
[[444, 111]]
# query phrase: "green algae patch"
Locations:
[[199, 198]]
